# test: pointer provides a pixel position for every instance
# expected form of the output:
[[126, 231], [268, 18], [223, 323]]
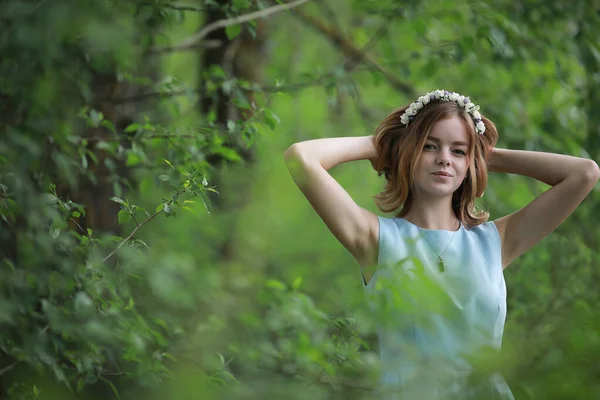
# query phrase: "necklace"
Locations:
[[440, 260]]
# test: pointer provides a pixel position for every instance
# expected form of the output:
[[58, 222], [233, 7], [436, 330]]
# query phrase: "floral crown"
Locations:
[[444, 95]]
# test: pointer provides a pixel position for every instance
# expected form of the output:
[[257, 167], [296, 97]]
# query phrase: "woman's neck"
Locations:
[[434, 219]]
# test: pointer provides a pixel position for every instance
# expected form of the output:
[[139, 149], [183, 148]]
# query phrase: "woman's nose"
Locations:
[[443, 158]]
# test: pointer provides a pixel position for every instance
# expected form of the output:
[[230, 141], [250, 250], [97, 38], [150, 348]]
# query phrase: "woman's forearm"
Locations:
[[330, 152], [546, 167]]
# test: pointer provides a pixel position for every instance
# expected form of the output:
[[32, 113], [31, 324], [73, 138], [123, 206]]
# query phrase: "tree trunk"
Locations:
[[239, 58]]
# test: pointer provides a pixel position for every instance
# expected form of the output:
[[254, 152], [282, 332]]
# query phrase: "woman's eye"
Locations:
[[429, 146], [462, 153]]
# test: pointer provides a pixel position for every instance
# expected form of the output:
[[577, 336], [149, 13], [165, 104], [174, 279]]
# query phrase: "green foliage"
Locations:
[[101, 136]]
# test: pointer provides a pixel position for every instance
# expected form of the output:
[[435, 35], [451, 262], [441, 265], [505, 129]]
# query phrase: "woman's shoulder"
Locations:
[[486, 232], [485, 226]]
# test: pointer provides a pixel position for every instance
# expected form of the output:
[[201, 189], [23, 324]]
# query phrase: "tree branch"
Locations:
[[178, 7], [7, 368], [223, 23], [81, 229], [132, 234], [45, 329], [133, 138], [116, 374], [182, 92], [350, 65], [204, 44], [355, 54]]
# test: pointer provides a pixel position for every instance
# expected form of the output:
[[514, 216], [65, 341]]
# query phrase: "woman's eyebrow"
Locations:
[[434, 139]]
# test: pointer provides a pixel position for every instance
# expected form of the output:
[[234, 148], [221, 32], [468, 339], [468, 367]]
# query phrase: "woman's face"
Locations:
[[443, 164]]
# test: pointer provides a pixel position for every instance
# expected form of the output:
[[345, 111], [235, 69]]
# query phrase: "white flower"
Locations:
[[442, 95], [480, 127]]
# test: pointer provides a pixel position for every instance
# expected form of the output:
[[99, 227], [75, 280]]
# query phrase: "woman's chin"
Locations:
[[437, 192]]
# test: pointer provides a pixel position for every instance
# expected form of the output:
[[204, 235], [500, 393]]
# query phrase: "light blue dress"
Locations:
[[439, 331]]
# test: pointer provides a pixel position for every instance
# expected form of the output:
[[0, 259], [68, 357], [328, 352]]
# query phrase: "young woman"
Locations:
[[435, 155]]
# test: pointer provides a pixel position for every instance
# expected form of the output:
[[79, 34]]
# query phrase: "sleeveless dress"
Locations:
[[439, 331]]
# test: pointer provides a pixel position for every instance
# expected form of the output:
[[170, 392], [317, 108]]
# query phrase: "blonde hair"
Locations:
[[399, 147]]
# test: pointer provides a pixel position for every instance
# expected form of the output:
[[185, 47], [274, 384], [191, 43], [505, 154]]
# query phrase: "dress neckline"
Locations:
[[432, 230]]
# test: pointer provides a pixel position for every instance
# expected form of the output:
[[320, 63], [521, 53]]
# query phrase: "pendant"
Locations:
[[440, 263]]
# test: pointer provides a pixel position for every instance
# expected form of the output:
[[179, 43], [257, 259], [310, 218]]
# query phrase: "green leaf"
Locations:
[[140, 241], [228, 153], [131, 355], [275, 284], [190, 210], [55, 233], [120, 201], [130, 305], [132, 159], [132, 128], [96, 117], [168, 163], [112, 386], [76, 214], [230, 125], [92, 156], [271, 119], [116, 187], [123, 217], [80, 384], [296, 283], [108, 124], [206, 206], [229, 375], [242, 103], [232, 31]]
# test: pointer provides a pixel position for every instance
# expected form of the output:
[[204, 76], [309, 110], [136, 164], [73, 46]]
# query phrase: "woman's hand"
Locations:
[[373, 161], [490, 160]]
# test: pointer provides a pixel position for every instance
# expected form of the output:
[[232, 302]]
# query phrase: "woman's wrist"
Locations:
[[493, 160], [332, 151]]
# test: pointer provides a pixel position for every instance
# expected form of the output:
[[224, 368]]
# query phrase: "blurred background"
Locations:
[[153, 244]]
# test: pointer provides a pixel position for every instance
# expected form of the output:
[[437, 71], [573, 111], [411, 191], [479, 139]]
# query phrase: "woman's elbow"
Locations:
[[592, 171]]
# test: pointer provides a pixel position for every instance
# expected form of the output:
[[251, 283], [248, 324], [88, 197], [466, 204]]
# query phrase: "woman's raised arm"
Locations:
[[356, 228], [571, 178]]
